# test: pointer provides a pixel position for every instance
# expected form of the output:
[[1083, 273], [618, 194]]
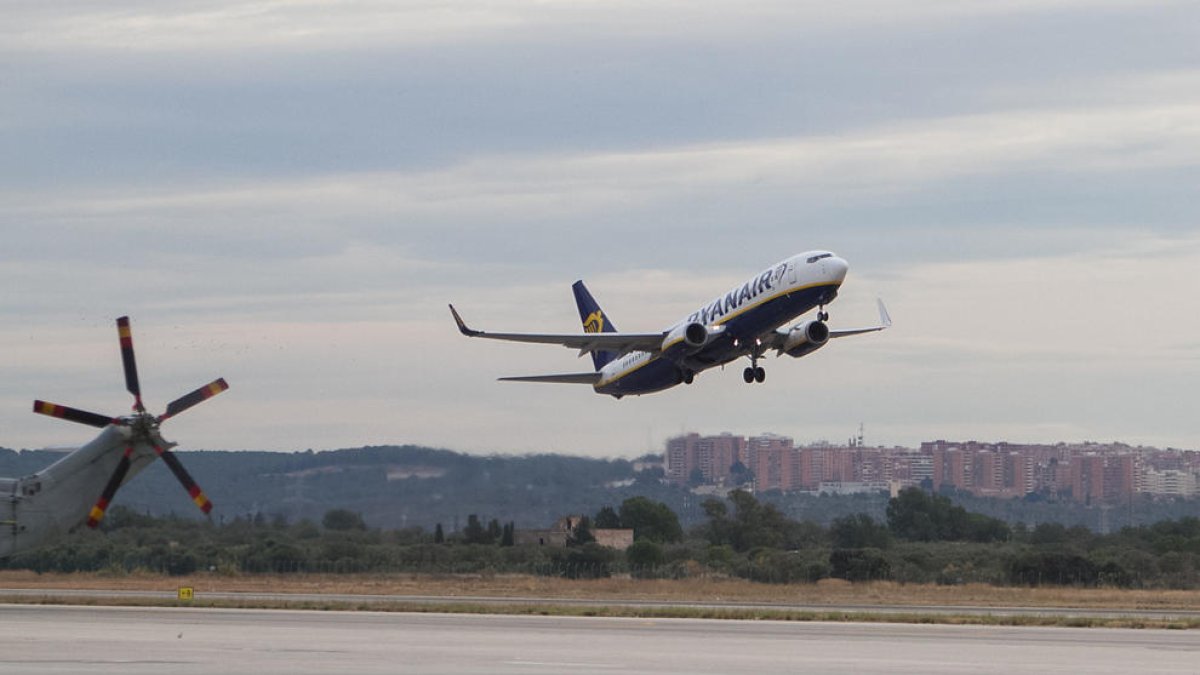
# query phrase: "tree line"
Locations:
[[921, 538]]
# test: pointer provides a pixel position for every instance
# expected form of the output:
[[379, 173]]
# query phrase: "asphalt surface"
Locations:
[[956, 610], [74, 640]]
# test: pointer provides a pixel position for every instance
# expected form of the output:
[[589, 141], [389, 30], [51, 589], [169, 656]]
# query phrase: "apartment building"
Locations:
[[1086, 472]]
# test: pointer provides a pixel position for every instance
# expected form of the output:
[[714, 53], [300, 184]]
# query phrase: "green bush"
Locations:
[[783, 567], [645, 559], [859, 564]]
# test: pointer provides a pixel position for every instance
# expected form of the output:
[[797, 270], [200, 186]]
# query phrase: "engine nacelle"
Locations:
[[806, 338], [687, 338]]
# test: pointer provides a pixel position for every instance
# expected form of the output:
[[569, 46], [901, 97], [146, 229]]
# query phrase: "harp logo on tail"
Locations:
[[594, 322]]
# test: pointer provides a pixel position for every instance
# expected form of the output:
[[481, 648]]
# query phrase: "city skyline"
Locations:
[[1101, 473]]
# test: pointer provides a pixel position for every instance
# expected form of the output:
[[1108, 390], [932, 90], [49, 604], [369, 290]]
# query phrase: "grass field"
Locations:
[[829, 592]]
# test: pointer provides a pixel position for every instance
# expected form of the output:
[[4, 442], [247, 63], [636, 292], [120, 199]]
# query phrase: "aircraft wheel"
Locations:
[[760, 375], [688, 376], [748, 375]]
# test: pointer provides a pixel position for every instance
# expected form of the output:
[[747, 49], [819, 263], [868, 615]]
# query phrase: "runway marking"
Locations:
[[561, 664]]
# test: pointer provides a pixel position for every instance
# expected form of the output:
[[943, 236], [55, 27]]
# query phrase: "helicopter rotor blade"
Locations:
[[194, 398], [132, 384], [110, 489], [73, 414], [185, 479]]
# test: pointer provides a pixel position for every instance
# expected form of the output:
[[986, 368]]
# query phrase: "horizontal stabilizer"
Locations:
[[563, 378]]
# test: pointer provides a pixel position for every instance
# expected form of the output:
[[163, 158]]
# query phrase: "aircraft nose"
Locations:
[[836, 269]]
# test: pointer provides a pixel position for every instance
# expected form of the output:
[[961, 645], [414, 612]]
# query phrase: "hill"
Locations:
[[391, 486], [395, 487]]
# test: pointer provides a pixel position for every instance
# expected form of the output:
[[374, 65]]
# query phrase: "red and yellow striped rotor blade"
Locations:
[[193, 490], [73, 414], [110, 489], [195, 397], [127, 360]]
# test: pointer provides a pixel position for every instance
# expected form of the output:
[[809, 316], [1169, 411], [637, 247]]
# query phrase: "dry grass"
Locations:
[[625, 611], [829, 592]]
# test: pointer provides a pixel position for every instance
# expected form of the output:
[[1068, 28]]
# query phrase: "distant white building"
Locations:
[[1169, 483], [854, 487]]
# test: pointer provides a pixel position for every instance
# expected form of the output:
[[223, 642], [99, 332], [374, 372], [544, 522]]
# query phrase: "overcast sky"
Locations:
[[288, 194]]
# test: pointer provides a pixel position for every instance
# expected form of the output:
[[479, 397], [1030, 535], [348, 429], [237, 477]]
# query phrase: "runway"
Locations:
[[77, 640]]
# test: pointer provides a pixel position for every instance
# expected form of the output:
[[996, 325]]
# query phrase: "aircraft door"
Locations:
[[791, 272]]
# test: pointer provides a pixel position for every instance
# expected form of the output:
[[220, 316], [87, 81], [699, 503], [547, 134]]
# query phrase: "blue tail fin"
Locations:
[[594, 321]]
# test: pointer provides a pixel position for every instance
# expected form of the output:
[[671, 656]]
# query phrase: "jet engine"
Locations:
[[806, 338], [686, 338]]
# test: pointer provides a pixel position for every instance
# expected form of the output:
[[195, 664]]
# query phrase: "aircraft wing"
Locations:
[[586, 343], [885, 321], [563, 378]]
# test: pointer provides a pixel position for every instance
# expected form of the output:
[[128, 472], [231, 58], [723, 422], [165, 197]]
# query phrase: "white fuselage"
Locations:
[[56, 500]]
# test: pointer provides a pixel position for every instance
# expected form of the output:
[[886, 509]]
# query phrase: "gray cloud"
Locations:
[[288, 194]]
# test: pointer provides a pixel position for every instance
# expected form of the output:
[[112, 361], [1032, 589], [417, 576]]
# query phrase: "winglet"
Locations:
[[885, 322], [462, 326]]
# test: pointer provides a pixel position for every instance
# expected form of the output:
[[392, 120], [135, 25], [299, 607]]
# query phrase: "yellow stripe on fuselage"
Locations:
[[623, 373]]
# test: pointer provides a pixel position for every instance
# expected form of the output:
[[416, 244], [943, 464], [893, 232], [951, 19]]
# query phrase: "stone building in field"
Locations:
[[562, 530]]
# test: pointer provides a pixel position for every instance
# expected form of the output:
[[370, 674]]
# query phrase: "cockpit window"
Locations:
[[815, 258]]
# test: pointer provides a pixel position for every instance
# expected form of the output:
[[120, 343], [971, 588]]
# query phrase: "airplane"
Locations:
[[53, 502], [746, 322]]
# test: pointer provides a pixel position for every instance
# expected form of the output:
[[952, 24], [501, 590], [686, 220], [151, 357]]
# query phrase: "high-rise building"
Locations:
[[681, 457], [708, 458], [1018, 472], [772, 459], [716, 456], [1086, 476]]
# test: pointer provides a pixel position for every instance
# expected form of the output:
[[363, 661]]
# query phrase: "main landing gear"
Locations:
[[754, 374], [822, 315], [688, 377]]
